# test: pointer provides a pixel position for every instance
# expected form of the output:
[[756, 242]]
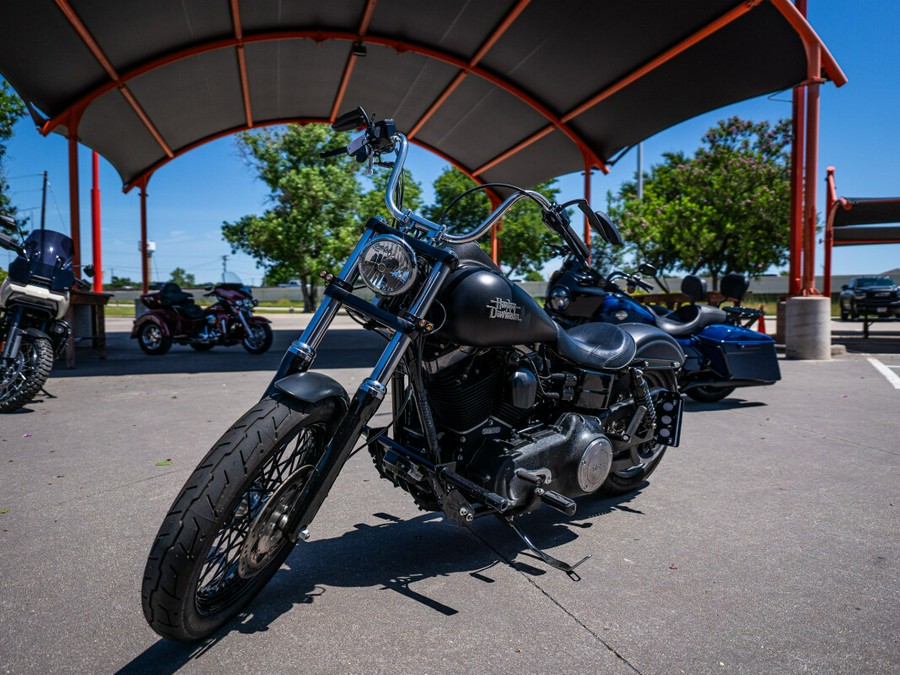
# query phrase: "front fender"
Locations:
[[312, 387], [258, 319]]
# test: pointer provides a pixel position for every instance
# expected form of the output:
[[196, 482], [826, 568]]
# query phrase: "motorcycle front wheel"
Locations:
[[222, 540], [23, 376], [259, 340]]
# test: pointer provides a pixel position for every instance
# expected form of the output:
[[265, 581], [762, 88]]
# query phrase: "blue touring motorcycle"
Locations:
[[721, 351]]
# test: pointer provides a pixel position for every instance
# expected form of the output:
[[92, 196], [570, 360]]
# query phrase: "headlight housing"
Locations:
[[387, 265], [559, 299]]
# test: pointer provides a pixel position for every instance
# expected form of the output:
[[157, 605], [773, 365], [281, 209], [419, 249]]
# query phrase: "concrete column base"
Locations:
[[807, 330], [779, 322]]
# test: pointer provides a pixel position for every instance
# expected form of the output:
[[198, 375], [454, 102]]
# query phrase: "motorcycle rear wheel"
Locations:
[[709, 394], [152, 340], [260, 339], [221, 541], [24, 377], [651, 453]]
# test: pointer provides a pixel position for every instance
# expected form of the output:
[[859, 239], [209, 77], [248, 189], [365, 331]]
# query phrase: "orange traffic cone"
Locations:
[[762, 320]]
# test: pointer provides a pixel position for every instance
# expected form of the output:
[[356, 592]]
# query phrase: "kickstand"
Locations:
[[547, 558], [47, 393]]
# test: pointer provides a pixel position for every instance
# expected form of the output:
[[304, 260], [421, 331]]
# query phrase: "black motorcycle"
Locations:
[[496, 410], [34, 299], [722, 352]]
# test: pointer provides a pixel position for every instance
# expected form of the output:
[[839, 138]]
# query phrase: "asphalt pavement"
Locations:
[[766, 543]]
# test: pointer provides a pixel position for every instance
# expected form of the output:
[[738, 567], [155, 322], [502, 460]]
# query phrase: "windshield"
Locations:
[[875, 281], [51, 248], [231, 278]]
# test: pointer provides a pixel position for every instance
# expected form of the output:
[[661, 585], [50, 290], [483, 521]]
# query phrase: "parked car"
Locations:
[[875, 295]]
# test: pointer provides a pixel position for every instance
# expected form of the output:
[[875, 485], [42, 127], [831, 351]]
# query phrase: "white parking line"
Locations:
[[889, 374]]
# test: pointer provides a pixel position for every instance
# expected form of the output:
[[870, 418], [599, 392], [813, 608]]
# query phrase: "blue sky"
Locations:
[[190, 197]]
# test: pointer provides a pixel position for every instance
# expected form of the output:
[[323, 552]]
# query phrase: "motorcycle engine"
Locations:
[[573, 457], [491, 424]]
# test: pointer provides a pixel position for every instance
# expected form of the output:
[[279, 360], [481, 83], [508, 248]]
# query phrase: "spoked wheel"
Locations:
[[152, 340], [224, 536], [23, 376], [626, 474], [259, 340], [709, 394]]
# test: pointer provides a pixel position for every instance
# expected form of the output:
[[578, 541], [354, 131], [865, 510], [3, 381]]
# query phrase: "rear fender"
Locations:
[[656, 347], [150, 317]]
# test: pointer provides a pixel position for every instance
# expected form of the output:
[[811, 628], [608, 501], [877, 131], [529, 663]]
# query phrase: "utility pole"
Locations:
[[44, 203], [224, 265]]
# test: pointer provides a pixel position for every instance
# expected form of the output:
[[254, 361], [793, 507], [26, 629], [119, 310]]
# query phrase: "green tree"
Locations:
[[315, 205], [525, 242], [11, 109], [724, 210], [182, 278]]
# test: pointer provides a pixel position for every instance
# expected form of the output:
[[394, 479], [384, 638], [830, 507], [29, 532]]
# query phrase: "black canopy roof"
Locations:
[[507, 90]]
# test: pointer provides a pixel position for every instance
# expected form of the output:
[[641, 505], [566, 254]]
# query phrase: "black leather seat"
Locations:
[[603, 346], [689, 319], [171, 295]]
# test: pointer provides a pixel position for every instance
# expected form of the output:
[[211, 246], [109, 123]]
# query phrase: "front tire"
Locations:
[[221, 542], [259, 340], [21, 379]]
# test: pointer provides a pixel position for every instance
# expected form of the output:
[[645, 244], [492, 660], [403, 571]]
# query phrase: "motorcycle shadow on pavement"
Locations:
[[733, 402], [393, 556]]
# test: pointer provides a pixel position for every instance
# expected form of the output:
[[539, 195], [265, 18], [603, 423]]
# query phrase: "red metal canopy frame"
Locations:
[[851, 221], [566, 121]]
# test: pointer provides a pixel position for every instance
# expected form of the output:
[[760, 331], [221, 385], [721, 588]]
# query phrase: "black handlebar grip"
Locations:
[[334, 152]]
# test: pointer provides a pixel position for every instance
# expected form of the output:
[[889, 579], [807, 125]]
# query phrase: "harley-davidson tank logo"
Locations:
[[504, 309]]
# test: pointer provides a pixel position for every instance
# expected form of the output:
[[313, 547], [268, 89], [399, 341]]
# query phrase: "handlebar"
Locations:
[[382, 137]]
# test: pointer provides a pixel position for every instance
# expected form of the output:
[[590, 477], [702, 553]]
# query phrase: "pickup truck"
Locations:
[[869, 296]]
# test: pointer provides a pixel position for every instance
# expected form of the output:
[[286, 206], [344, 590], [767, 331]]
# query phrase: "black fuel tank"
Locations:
[[485, 310]]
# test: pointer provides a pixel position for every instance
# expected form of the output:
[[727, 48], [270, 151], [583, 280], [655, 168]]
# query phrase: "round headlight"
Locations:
[[559, 299], [387, 265]]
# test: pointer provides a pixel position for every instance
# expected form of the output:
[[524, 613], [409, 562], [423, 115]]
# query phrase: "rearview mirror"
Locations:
[[88, 270], [648, 269], [9, 243], [355, 119]]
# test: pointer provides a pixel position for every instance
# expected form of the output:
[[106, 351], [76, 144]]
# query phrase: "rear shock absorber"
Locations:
[[641, 393]]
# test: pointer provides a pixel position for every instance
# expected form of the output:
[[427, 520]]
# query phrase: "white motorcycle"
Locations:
[[34, 299]]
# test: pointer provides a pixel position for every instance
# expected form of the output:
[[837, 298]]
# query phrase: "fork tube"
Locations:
[[302, 352], [363, 406]]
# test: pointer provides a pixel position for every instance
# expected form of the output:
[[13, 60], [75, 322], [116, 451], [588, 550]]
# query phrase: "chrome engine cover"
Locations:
[[595, 464]]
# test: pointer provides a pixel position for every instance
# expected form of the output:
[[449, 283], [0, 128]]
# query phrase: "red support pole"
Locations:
[[145, 263], [796, 231], [812, 160], [587, 197], [495, 229], [74, 209], [95, 226], [830, 199]]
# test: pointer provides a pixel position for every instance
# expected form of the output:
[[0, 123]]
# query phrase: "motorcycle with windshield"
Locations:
[[34, 299], [721, 351], [496, 410], [171, 315]]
